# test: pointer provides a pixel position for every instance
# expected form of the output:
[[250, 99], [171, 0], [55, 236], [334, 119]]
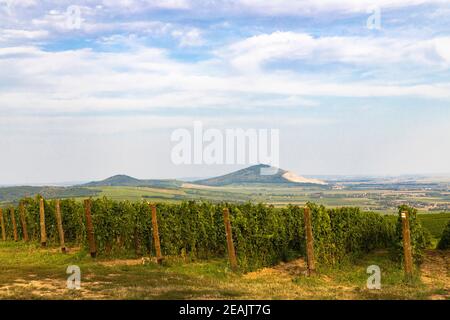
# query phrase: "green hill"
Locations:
[[260, 174], [127, 181]]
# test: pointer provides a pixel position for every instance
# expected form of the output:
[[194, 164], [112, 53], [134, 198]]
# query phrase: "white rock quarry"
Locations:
[[292, 177]]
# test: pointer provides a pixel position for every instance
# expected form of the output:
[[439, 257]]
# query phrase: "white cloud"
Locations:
[[16, 52], [189, 38], [146, 78], [306, 7], [442, 47], [170, 4], [141, 4], [252, 53], [18, 3], [263, 7], [17, 36]]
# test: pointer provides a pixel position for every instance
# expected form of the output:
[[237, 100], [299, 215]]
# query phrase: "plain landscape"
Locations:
[[225, 149], [32, 272], [383, 194]]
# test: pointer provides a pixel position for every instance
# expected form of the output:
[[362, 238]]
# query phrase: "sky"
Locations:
[[93, 88]]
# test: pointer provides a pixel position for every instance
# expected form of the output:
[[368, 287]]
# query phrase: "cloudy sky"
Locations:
[[83, 99]]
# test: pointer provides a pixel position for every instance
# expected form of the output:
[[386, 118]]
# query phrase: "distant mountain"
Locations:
[[127, 181], [260, 174]]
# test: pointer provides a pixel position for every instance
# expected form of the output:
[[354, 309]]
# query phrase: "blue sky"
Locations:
[[103, 98]]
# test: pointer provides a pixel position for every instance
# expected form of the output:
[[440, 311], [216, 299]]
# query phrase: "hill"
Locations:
[[127, 181], [260, 174], [11, 194]]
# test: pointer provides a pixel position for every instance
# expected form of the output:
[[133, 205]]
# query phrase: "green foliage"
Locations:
[[72, 217], [8, 222], [121, 227], [262, 235], [72, 213], [420, 237], [345, 233], [194, 229], [444, 243]]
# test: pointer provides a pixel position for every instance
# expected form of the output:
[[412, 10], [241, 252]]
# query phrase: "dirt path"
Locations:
[[435, 272]]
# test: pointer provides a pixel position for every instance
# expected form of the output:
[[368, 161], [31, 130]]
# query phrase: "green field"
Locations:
[[379, 200], [385, 201]]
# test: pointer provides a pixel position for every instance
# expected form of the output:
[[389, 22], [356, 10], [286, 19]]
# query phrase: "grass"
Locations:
[[30, 272]]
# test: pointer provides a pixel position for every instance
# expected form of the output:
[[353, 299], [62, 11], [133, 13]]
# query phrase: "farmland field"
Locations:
[[379, 196], [385, 201]]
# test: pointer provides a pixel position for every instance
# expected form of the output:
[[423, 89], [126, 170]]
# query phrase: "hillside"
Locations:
[[11, 194], [255, 174], [127, 181]]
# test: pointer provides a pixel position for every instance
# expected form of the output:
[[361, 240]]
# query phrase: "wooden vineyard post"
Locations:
[[2, 222], [60, 226], [90, 228], [159, 257], [23, 221], [230, 245], [309, 242], [42, 223], [407, 246], [13, 220]]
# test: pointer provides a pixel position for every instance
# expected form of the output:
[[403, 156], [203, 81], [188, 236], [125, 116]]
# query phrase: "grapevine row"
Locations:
[[262, 235]]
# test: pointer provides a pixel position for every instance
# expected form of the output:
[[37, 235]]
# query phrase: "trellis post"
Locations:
[[60, 226], [230, 244], [156, 240], [407, 250], [23, 221], [42, 222], [309, 241], [90, 228], [2, 222], [13, 220]]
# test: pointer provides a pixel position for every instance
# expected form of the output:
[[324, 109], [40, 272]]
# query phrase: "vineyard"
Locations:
[[444, 243], [262, 235]]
